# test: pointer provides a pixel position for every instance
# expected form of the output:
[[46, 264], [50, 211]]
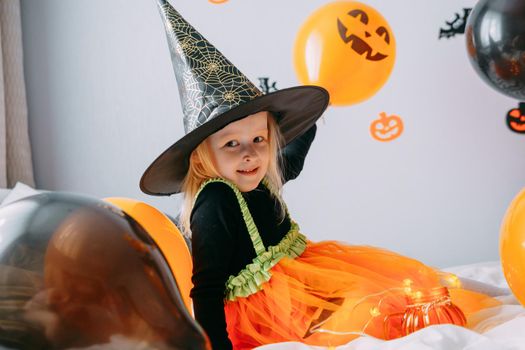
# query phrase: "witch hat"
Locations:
[[214, 93]]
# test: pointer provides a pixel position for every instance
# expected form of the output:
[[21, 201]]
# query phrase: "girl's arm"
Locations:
[[213, 226], [294, 154]]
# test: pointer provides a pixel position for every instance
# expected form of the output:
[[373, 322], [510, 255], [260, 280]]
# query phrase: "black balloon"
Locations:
[[77, 272], [495, 37]]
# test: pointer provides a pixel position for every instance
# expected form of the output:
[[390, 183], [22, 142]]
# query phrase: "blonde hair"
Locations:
[[201, 168]]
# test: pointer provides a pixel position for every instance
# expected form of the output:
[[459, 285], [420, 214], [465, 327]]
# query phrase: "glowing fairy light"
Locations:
[[375, 312], [453, 281], [407, 286]]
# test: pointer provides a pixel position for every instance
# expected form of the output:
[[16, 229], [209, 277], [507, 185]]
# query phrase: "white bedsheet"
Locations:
[[501, 328]]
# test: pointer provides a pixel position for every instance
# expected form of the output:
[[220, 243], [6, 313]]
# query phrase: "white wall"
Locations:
[[103, 103]]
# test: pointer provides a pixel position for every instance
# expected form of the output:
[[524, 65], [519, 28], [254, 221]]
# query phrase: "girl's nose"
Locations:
[[248, 153]]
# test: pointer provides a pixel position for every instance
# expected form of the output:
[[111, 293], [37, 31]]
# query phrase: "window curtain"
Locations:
[[15, 149]]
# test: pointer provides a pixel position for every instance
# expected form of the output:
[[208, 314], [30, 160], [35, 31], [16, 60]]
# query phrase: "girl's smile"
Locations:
[[248, 172]]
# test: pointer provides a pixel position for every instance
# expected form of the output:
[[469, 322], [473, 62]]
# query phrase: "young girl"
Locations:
[[257, 279], [279, 286]]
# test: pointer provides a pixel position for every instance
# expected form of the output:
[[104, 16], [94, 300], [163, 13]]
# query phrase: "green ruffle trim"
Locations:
[[251, 279]]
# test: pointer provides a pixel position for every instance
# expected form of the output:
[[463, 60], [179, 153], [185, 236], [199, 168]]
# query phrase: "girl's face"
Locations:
[[241, 151]]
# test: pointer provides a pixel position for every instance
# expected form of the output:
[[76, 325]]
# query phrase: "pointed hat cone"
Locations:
[[213, 93], [209, 84]]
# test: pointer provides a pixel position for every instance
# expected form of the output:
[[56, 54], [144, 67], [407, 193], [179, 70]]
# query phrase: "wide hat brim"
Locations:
[[296, 110]]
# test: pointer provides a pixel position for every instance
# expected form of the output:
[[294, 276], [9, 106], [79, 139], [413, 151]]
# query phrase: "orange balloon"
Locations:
[[346, 47], [512, 246], [168, 238]]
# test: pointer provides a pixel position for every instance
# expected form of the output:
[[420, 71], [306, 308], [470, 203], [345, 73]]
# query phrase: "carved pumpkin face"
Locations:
[[516, 120], [348, 48], [386, 128], [369, 39]]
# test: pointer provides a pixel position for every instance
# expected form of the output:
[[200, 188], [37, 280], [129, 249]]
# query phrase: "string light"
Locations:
[[407, 285], [375, 312]]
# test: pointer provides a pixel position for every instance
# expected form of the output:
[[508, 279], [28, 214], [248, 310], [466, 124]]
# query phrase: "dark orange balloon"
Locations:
[[346, 47], [512, 246], [168, 238]]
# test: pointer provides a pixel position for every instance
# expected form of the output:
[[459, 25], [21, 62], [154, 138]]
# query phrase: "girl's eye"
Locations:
[[258, 139], [232, 143]]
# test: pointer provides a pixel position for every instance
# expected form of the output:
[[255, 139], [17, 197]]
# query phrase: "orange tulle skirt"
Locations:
[[334, 293]]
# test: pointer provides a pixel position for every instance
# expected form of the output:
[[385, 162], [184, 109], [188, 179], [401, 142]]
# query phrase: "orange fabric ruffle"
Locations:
[[334, 293]]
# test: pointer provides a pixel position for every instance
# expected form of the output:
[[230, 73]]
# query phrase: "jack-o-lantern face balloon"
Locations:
[[365, 43], [346, 47], [516, 119]]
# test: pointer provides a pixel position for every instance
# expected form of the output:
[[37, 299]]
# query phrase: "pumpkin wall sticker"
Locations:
[[386, 128], [346, 47], [516, 119]]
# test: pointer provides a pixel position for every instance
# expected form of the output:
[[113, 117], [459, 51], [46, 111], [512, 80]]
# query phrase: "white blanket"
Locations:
[[501, 328]]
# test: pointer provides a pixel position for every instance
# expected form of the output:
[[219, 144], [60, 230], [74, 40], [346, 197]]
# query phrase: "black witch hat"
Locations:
[[214, 93]]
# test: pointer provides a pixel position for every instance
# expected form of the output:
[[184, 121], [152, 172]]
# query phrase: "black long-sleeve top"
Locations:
[[221, 245]]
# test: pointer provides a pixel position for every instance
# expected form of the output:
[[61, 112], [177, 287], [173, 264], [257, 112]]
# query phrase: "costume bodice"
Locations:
[[251, 279]]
